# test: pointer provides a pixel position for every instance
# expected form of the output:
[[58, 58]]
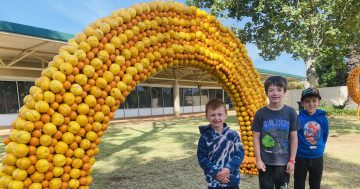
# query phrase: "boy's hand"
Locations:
[[223, 175], [290, 167], [261, 166]]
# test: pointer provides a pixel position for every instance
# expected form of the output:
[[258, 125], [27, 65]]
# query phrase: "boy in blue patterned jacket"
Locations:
[[220, 150]]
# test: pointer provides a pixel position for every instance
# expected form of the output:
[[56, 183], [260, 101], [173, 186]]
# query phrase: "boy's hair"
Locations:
[[276, 81], [214, 104]]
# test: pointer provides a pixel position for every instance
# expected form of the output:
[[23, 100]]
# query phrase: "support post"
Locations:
[[176, 99]]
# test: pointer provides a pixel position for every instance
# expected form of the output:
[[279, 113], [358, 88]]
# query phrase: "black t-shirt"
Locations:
[[275, 128]]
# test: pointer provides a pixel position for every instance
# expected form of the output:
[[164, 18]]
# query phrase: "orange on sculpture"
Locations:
[[55, 137]]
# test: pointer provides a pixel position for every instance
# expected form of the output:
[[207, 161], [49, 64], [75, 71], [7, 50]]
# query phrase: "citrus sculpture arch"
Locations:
[[353, 87], [55, 138]]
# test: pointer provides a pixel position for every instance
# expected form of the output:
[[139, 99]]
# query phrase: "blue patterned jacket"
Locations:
[[216, 151]]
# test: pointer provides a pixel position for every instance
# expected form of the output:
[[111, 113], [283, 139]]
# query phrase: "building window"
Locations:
[[204, 96], [196, 96], [122, 106], [168, 97], [227, 100], [181, 95], [156, 97], [8, 97], [215, 93], [219, 93], [187, 97], [144, 96], [23, 89], [132, 100], [212, 94]]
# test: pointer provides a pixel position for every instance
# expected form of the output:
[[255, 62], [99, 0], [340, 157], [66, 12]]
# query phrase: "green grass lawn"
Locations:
[[162, 154]]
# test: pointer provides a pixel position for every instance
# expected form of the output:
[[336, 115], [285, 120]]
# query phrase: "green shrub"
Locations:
[[333, 111]]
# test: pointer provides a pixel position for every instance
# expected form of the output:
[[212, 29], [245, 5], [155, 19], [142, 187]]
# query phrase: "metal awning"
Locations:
[[26, 50]]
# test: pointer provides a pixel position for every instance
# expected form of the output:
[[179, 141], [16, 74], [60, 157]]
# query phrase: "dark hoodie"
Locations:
[[313, 134], [216, 151]]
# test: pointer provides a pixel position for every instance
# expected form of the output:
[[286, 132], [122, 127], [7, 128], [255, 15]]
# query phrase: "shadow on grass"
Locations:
[[340, 174], [156, 174], [344, 125], [108, 147], [177, 168], [132, 171]]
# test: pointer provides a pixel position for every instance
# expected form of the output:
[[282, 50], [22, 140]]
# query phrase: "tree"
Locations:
[[305, 29], [346, 15], [332, 70]]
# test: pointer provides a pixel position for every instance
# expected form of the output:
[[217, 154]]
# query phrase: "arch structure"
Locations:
[[55, 137], [353, 88]]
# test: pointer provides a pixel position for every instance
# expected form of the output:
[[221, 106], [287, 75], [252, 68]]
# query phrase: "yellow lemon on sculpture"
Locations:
[[41, 106], [76, 89], [37, 176], [9, 159], [55, 183], [66, 68], [90, 100], [108, 76], [74, 183], [49, 97], [45, 140], [57, 119], [81, 79], [35, 186], [91, 135], [83, 109], [59, 76], [61, 147], [19, 174], [42, 165], [49, 129], [20, 150], [79, 152], [59, 160], [74, 127], [89, 71], [64, 109], [23, 163], [101, 82], [56, 86], [42, 152], [33, 115], [57, 171], [121, 86], [68, 138], [16, 184], [69, 98], [82, 120]]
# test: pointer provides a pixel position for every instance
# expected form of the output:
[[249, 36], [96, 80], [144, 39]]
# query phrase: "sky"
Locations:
[[72, 16]]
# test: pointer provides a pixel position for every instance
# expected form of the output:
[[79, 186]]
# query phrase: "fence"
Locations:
[[329, 96]]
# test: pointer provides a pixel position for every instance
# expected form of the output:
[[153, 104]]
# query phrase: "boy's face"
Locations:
[[310, 104], [275, 94], [216, 117]]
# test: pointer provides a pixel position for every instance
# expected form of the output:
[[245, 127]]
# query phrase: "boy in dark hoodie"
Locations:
[[312, 137], [220, 150]]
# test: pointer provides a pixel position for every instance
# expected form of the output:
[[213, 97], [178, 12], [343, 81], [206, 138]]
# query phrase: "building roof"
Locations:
[[26, 50], [10, 27]]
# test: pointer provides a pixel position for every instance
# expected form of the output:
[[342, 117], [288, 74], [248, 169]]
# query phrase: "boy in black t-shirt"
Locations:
[[275, 137]]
